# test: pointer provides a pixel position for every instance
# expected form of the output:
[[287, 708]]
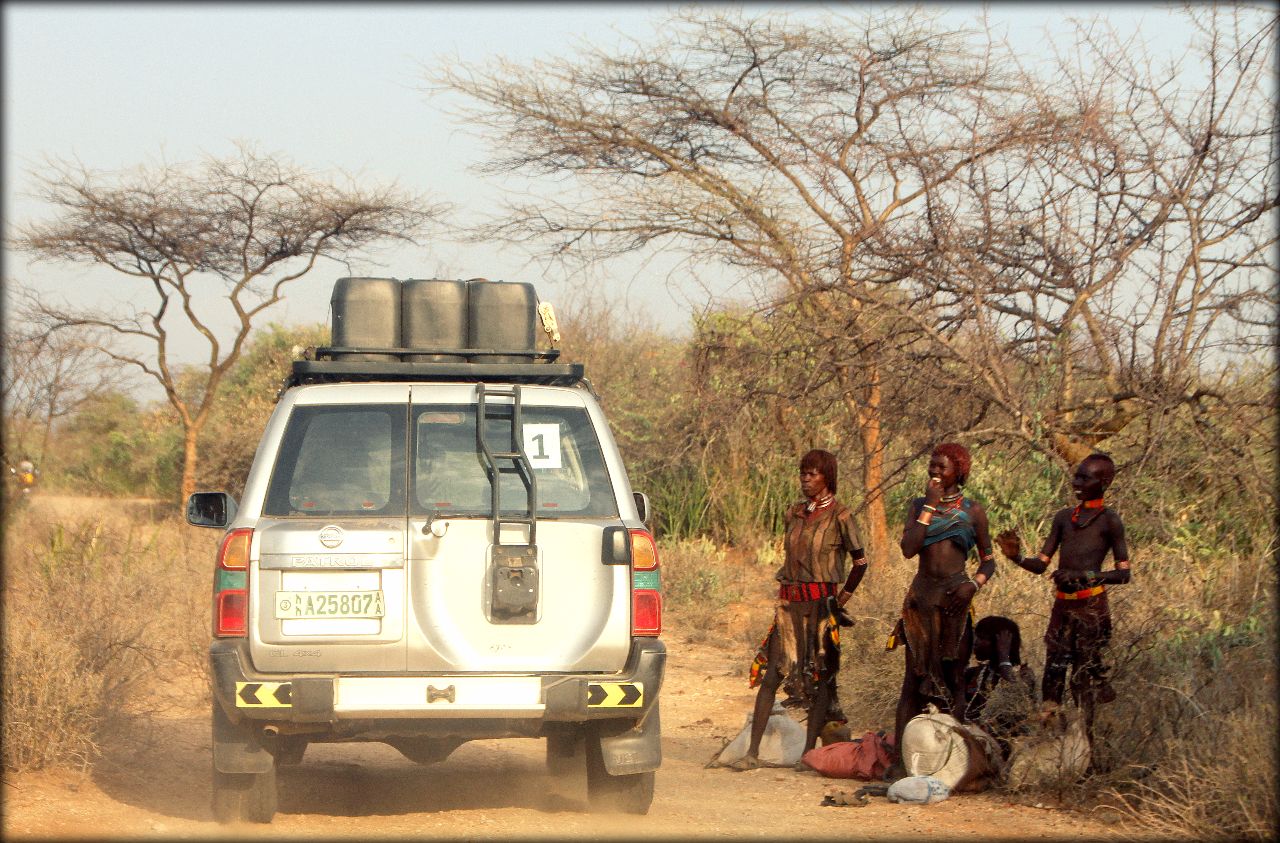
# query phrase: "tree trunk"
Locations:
[[45, 435], [867, 415], [190, 457], [1071, 450], [873, 486]]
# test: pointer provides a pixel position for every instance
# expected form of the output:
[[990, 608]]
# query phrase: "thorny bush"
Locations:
[[95, 607]]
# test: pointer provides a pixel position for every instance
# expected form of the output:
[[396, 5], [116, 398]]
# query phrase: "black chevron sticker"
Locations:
[[264, 695], [615, 694]]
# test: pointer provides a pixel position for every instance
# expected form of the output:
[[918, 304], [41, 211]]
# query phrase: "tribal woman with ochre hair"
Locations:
[[801, 651], [942, 528]]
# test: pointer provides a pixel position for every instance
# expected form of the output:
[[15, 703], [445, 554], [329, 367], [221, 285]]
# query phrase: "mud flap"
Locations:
[[637, 750], [236, 749]]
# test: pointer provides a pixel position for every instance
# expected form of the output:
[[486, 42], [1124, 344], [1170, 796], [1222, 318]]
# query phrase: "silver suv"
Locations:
[[427, 553]]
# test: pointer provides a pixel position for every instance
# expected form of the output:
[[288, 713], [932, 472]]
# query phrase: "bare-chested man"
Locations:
[[1080, 623]]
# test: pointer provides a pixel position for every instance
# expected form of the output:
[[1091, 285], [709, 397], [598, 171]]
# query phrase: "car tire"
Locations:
[[240, 796], [228, 790], [290, 748], [628, 794], [251, 797], [564, 751], [260, 799]]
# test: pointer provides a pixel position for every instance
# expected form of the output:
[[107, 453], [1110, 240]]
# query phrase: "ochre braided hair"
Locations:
[[823, 461], [959, 456]]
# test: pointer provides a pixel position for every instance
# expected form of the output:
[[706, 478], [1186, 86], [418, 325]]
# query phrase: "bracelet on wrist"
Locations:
[[1006, 664], [929, 508]]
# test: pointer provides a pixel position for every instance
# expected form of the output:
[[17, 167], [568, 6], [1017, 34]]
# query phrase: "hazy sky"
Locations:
[[333, 87]]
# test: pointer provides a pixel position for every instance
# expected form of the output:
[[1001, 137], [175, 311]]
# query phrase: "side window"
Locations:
[[563, 450], [340, 460]]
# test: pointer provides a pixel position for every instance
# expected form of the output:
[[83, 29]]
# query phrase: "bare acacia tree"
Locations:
[[780, 150], [1044, 255], [47, 376], [1124, 271], [238, 229]]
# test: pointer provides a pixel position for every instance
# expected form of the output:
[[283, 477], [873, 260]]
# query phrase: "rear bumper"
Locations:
[[245, 694]]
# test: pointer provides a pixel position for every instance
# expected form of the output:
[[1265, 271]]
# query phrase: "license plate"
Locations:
[[328, 604]]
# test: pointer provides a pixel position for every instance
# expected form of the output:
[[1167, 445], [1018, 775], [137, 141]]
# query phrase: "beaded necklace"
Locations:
[[820, 503], [1075, 513], [953, 502]]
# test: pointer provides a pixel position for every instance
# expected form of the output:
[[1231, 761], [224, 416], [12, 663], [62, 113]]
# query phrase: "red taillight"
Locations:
[[646, 583], [231, 586], [646, 612], [233, 614]]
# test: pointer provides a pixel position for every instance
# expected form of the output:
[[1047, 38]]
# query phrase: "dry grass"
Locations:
[[1189, 748], [720, 593], [1219, 784], [98, 603], [52, 714], [98, 600]]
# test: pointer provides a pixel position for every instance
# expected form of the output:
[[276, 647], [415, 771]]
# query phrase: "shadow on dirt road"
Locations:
[[475, 777], [162, 767], [153, 782]]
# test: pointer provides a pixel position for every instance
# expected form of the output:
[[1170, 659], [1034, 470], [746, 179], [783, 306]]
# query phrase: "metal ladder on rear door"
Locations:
[[515, 592]]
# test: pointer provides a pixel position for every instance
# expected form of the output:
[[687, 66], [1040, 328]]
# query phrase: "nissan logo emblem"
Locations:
[[331, 536]]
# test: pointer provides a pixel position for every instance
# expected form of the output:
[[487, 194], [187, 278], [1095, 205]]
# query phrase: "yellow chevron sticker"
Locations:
[[615, 694], [264, 695]]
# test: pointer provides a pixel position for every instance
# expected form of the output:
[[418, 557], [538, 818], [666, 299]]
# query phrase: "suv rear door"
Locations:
[[329, 588], [582, 618]]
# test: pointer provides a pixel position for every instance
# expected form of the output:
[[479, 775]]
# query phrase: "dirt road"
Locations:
[[153, 784]]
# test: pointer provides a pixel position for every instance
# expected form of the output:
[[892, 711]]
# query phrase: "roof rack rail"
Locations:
[[331, 352], [534, 367]]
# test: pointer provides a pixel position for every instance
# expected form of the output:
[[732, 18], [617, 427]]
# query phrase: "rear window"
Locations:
[[340, 460], [350, 460], [450, 475]]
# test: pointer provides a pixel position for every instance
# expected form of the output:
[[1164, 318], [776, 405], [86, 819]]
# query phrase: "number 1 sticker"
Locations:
[[542, 445]]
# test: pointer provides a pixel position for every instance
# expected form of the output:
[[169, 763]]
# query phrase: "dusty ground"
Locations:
[[153, 783]]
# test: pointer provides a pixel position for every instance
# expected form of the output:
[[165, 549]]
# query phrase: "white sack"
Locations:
[[932, 746], [781, 746]]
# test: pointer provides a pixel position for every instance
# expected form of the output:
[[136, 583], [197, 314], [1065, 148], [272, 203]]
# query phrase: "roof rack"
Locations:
[[532, 367]]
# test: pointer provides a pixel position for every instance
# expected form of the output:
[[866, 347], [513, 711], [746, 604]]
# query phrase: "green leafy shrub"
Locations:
[[112, 446]]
